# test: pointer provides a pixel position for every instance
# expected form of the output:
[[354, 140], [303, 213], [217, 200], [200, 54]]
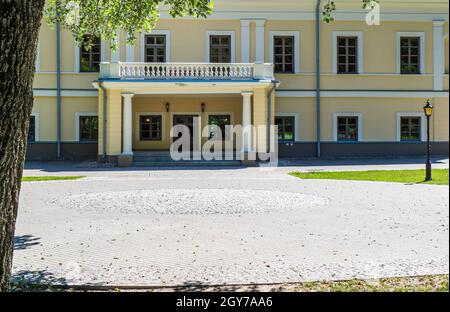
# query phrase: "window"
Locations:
[[286, 128], [219, 122], [32, 130], [410, 55], [284, 54], [347, 128], [150, 128], [347, 56], [155, 48], [410, 128], [220, 49], [88, 128], [90, 59]]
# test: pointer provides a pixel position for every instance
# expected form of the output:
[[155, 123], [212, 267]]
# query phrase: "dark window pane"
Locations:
[[220, 49], [410, 55], [347, 55], [410, 128], [284, 54], [150, 128], [32, 130], [88, 128], [286, 128], [155, 49], [347, 128], [90, 56]]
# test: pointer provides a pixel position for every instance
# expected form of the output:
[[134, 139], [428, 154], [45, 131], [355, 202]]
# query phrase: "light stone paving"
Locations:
[[226, 226]]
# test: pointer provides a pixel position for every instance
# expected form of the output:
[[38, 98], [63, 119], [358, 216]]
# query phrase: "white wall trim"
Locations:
[[360, 36], [167, 33], [245, 41], [115, 55], [138, 125], [76, 57], [129, 51], [296, 123], [66, 93], [37, 126], [232, 121], [438, 55], [423, 130], [296, 14], [296, 35], [77, 122], [420, 35], [230, 33], [38, 56], [348, 114], [260, 34], [363, 94], [103, 48]]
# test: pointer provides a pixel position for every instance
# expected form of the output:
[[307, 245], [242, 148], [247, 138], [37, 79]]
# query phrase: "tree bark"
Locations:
[[20, 21]]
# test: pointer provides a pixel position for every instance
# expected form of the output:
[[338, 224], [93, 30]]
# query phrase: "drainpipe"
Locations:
[[105, 97], [58, 88], [269, 113], [318, 78]]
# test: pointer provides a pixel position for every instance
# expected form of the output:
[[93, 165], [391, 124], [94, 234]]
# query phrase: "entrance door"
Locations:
[[188, 121]]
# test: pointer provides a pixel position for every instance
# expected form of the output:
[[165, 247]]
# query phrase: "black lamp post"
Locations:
[[428, 109]]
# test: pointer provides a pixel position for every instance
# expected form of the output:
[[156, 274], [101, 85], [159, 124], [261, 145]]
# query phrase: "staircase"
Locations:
[[163, 159]]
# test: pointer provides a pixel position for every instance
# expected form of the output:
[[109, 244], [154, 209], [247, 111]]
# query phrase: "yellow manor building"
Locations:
[[343, 89]]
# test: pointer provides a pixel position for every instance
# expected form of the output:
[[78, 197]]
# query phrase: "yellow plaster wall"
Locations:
[[180, 105]]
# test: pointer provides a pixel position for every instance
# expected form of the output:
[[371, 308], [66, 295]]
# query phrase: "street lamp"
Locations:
[[428, 109]]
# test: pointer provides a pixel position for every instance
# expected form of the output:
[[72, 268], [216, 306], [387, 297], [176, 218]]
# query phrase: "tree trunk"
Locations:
[[20, 21]]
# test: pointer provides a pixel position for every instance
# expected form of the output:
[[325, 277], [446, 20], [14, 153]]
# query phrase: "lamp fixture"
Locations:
[[168, 107], [203, 107]]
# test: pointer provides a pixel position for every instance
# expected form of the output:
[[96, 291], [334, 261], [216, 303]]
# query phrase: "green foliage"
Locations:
[[103, 18], [51, 178], [329, 7]]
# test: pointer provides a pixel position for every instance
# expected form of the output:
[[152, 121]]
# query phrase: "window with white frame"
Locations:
[[33, 128], [86, 127], [220, 47], [348, 52], [285, 51], [347, 127], [156, 46], [411, 127], [288, 127], [410, 53]]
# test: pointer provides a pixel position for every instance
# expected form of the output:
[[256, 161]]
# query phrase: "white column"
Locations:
[[260, 45], [438, 54], [247, 121], [127, 124], [129, 52], [245, 41], [115, 55]]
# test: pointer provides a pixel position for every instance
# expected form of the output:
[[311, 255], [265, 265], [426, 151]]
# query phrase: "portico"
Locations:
[[140, 113]]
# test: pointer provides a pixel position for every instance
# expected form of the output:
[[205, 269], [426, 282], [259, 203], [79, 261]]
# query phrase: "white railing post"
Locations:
[[263, 71]]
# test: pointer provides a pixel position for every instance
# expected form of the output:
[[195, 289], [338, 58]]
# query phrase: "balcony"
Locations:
[[186, 71]]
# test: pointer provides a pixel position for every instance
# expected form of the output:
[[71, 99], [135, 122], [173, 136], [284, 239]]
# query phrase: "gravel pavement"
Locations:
[[225, 226]]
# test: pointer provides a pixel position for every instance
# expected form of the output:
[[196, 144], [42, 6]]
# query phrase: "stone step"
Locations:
[[190, 163]]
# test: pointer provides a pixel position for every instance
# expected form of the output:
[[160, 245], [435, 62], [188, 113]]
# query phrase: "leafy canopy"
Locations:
[[103, 18]]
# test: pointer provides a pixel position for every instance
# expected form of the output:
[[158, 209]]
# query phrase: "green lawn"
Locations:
[[50, 178], [440, 176]]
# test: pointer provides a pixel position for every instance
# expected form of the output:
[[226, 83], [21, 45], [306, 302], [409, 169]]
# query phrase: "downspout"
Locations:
[[269, 114], [318, 80], [105, 97], [58, 89]]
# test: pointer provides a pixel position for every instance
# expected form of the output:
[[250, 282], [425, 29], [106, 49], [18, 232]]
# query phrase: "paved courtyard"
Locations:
[[227, 226]]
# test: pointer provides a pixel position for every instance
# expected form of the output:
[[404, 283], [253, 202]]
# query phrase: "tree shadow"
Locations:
[[197, 286], [35, 281], [25, 241]]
